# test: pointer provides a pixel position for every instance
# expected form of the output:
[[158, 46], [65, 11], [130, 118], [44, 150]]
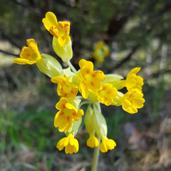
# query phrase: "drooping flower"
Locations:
[[70, 144], [133, 80], [29, 54], [92, 141], [107, 144], [132, 101]]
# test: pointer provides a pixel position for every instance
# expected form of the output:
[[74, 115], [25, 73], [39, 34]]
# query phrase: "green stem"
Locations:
[[71, 66], [83, 103], [95, 160]]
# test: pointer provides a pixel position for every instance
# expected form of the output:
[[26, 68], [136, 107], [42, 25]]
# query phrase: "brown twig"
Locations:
[[8, 53]]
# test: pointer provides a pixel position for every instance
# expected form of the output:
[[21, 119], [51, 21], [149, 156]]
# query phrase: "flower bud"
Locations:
[[90, 120], [95, 121], [100, 124]]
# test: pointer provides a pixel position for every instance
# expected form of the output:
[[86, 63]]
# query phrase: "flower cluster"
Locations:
[[85, 86]]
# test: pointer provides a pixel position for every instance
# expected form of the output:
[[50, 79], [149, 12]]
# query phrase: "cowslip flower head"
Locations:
[[132, 101], [70, 144], [29, 54], [65, 86], [94, 87], [60, 30], [67, 114], [107, 144]]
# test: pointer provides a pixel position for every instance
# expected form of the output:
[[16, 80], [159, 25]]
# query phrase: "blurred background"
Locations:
[[138, 33]]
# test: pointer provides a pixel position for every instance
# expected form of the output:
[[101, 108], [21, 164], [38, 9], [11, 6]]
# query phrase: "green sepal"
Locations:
[[49, 65], [100, 124], [115, 80], [75, 126], [64, 52], [95, 121], [90, 120]]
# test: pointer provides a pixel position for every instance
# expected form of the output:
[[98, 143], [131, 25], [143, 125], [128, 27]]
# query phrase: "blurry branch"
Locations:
[[20, 3], [128, 57], [157, 57], [117, 23], [13, 42], [31, 3], [7, 53], [125, 59], [64, 3], [159, 73], [166, 8]]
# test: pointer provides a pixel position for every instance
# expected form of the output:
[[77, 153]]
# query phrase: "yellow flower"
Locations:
[[29, 54], [133, 80], [132, 101], [101, 50], [70, 144], [107, 144], [89, 80], [67, 114], [65, 86], [62, 121], [107, 94], [92, 141], [60, 30]]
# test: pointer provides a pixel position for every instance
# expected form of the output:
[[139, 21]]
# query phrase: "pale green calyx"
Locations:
[[49, 65]]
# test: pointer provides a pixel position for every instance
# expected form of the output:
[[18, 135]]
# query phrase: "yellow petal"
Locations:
[[22, 61], [92, 142], [87, 64], [50, 20], [134, 70]]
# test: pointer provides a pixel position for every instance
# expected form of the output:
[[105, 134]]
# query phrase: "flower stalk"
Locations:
[[95, 159], [71, 66]]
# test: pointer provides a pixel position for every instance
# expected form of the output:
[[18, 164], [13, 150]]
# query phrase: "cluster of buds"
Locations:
[[79, 87]]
